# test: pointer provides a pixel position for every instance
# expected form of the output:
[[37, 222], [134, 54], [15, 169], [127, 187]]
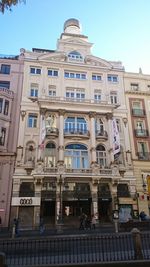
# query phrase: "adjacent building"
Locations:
[[137, 91], [11, 79], [73, 152]]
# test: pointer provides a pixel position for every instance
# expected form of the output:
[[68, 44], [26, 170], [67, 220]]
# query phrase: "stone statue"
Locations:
[[49, 122]]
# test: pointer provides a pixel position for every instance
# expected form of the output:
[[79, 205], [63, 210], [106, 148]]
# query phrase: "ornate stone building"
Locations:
[[11, 78], [66, 160], [137, 91]]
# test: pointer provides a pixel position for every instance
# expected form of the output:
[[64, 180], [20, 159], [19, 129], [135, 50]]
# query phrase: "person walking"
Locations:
[[93, 222]]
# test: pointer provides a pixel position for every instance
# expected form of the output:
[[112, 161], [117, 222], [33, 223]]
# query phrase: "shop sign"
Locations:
[[25, 201]]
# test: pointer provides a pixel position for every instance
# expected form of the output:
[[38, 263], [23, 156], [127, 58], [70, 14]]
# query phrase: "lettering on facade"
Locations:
[[26, 201]]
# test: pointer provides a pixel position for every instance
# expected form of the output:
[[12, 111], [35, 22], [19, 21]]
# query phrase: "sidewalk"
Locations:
[[62, 230]]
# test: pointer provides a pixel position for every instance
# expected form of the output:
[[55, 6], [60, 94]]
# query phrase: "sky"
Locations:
[[118, 29]]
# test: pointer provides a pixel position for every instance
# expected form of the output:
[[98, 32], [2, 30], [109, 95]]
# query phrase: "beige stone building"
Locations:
[[73, 122], [11, 78], [137, 91]]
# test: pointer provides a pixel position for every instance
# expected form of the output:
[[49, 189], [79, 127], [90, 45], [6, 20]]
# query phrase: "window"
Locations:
[[97, 95], [34, 90], [5, 84], [75, 124], [101, 155], [26, 189], [52, 93], [6, 107], [32, 121], [137, 108], [75, 94], [134, 86], [72, 75], [1, 105], [2, 136], [96, 77], [35, 70], [75, 56], [99, 126], [50, 155], [76, 156], [53, 73], [113, 98], [5, 69], [112, 78]]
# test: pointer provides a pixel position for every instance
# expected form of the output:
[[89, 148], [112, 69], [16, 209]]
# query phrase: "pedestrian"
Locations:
[[41, 227], [93, 222], [88, 223], [82, 221], [16, 225]]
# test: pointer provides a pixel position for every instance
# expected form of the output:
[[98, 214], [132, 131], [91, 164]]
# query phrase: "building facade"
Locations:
[[11, 79], [73, 123], [137, 90]]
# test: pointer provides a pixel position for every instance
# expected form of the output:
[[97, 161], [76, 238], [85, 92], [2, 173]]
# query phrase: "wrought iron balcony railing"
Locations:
[[141, 133], [138, 112], [52, 131], [76, 131], [101, 134], [143, 155]]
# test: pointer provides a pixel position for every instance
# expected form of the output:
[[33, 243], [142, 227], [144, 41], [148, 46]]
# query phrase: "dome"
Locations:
[[71, 22]]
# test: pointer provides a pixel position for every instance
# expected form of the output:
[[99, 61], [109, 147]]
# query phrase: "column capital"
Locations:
[[61, 112], [109, 116], [92, 114], [42, 111]]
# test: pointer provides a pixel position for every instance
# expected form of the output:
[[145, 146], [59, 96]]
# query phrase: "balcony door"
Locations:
[[76, 156]]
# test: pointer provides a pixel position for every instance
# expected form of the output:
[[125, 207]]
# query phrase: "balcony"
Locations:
[[141, 133], [138, 112], [101, 135], [143, 155], [76, 132], [6, 92], [51, 131]]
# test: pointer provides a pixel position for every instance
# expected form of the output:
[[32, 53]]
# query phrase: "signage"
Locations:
[[26, 201]]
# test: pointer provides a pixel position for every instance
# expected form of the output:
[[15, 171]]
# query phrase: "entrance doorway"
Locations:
[[48, 211], [105, 210]]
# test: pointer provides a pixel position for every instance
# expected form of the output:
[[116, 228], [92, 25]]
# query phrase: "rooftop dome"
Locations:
[[71, 22]]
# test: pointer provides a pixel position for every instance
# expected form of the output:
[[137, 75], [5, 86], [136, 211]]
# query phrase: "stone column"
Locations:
[[61, 136], [37, 209], [93, 137], [127, 141], [109, 118], [42, 134]]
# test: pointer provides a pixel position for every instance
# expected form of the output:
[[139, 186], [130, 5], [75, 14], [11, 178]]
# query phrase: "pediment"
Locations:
[[55, 56], [96, 61]]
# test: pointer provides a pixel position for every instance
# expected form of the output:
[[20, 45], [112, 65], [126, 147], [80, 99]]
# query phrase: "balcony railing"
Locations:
[[76, 132], [143, 155], [7, 92], [101, 134], [138, 112], [141, 133], [52, 131]]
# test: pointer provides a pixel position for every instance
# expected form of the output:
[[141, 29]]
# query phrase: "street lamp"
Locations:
[[60, 216]]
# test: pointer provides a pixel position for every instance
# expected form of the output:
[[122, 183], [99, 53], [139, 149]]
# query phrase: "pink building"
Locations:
[[11, 78]]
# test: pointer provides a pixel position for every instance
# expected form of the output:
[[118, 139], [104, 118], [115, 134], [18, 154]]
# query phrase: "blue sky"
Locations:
[[119, 29]]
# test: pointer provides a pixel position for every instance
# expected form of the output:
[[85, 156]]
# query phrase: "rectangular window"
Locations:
[[73, 75], [96, 77], [2, 136], [6, 107], [77, 94], [112, 78], [35, 70], [32, 121], [5, 69], [52, 73], [34, 90], [1, 105], [52, 93], [113, 98], [5, 84]]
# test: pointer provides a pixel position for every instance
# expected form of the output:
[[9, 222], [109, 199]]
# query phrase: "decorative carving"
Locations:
[[92, 114], [109, 116], [61, 112]]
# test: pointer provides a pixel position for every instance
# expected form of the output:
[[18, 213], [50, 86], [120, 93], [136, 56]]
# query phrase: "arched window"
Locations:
[[30, 152], [75, 56], [101, 156], [76, 156], [50, 155]]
